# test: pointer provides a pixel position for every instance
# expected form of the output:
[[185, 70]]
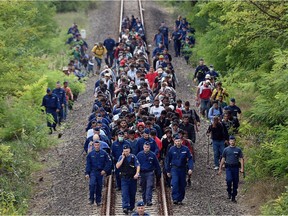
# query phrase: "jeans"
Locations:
[[99, 61], [147, 183], [232, 176], [205, 106], [109, 58], [178, 183], [95, 186], [129, 188], [218, 148]]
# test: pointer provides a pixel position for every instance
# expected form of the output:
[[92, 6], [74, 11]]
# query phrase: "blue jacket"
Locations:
[[178, 158], [157, 50], [153, 146], [148, 162], [133, 146], [98, 161], [51, 103], [109, 43], [61, 95], [117, 149]]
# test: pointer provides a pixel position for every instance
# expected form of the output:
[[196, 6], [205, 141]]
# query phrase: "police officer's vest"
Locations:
[[128, 169]]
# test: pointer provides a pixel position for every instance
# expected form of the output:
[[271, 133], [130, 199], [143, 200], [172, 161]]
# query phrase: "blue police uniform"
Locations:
[[153, 145], [116, 152], [157, 50], [96, 162], [176, 164], [177, 42], [232, 156], [149, 164], [128, 183], [62, 99], [109, 43], [103, 145], [51, 104], [165, 31]]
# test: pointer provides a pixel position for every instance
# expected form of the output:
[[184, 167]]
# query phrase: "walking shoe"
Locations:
[[91, 202], [180, 203], [216, 168], [125, 211], [189, 182], [229, 196], [175, 202], [233, 199], [51, 131], [118, 189], [99, 204]]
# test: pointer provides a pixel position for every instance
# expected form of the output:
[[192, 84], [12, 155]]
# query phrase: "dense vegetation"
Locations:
[[247, 42], [31, 54]]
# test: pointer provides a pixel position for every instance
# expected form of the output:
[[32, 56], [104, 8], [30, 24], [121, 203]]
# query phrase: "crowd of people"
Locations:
[[139, 128]]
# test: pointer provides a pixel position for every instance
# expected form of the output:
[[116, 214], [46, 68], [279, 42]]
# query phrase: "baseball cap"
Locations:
[[48, 90], [126, 147], [120, 133], [207, 76], [147, 131], [232, 137], [176, 137], [233, 100]]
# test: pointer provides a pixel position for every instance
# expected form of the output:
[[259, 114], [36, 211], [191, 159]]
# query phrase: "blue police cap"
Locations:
[[176, 137], [96, 141], [232, 137], [147, 143], [48, 90], [140, 203], [120, 133], [101, 109], [126, 147], [232, 100], [147, 131], [97, 129]]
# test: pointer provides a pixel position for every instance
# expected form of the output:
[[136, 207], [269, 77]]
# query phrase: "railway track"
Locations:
[[112, 199]]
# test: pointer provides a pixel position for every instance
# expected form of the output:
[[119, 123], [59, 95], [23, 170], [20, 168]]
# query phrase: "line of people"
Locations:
[[137, 123]]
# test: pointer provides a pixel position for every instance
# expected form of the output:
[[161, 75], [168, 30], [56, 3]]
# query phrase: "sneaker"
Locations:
[[99, 204], [125, 211], [216, 168], [91, 202], [229, 196], [233, 199], [180, 203], [175, 202]]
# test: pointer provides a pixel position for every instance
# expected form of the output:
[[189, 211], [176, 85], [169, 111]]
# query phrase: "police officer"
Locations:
[[177, 36], [231, 156], [140, 209], [116, 151], [129, 167], [52, 106], [60, 92], [165, 31], [146, 138], [110, 44], [149, 164], [98, 164], [178, 158]]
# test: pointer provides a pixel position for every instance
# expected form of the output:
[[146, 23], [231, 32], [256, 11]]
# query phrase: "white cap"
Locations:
[[207, 76]]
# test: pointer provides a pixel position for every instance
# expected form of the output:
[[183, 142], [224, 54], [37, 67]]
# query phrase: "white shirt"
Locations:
[[156, 110]]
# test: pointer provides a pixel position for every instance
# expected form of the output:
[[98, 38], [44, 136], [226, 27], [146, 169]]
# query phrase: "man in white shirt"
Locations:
[[156, 109]]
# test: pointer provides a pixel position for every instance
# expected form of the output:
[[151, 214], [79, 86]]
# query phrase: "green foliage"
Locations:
[[278, 206], [31, 54], [247, 42]]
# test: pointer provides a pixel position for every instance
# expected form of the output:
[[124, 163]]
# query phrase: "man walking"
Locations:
[[129, 167], [52, 106], [178, 158], [98, 164], [231, 156], [60, 92], [149, 167]]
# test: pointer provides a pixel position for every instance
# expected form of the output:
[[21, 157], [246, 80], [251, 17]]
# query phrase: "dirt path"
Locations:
[[63, 189], [207, 194]]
